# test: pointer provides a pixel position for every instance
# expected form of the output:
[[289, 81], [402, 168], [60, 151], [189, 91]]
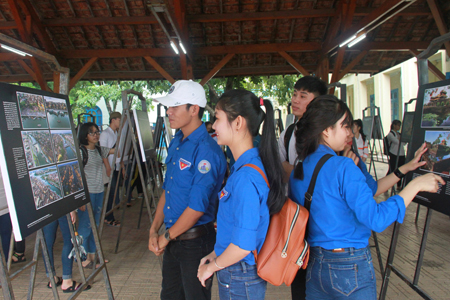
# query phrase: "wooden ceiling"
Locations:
[[130, 39]]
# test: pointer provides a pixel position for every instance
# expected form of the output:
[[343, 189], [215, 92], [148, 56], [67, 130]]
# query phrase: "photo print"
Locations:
[[32, 111], [436, 107], [45, 185], [437, 156], [38, 148], [63, 145], [58, 116], [71, 180]]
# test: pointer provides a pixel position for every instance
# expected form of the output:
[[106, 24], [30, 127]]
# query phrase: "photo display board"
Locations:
[[407, 126], [41, 166], [144, 132], [367, 126], [432, 125]]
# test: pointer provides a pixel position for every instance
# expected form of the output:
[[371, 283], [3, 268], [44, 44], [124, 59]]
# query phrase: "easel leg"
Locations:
[[423, 245], [417, 213], [4, 278], [389, 261], [377, 248], [41, 239], [100, 252]]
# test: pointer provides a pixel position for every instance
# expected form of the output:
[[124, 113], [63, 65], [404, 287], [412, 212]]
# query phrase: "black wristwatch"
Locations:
[[167, 235], [398, 173]]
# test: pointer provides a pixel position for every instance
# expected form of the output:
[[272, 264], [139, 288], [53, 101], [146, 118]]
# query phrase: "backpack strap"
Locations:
[[312, 184], [287, 138], [259, 170]]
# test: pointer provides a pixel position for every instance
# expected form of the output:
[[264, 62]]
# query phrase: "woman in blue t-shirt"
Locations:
[[343, 211], [246, 202]]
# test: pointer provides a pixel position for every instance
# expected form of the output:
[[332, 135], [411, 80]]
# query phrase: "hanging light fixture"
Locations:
[[174, 47], [357, 40], [14, 50]]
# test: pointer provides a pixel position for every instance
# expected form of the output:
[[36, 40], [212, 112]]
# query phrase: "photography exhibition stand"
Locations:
[[375, 110], [422, 64], [124, 140], [342, 89], [404, 140]]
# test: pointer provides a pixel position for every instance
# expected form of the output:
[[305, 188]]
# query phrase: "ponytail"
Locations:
[[270, 158], [244, 103]]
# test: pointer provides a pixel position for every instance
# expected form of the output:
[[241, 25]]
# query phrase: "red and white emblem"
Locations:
[[184, 164]]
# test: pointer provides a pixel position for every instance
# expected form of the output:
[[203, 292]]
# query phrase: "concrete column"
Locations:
[[382, 91]]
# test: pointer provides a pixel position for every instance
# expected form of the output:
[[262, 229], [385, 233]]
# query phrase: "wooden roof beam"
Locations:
[[377, 17], [433, 69], [38, 28], [289, 14], [137, 75], [82, 72], [352, 64], [217, 68], [19, 21], [159, 69], [39, 76], [347, 15], [236, 49], [294, 63], [438, 17]]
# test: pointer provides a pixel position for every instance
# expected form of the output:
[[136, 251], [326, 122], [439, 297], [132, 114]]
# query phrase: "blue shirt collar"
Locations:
[[324, 148], [244, 158], [195, 135]]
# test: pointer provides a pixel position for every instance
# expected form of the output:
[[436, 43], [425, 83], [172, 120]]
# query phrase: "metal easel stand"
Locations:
[[6, 278], [130, 134], [422, 64], [99, 254]]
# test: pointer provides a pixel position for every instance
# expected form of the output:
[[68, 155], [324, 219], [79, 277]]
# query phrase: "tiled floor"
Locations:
[[135, 272]]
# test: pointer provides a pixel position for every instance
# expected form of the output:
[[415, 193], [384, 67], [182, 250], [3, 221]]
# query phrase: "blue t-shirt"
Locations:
[[195, 170], [343, 211], [243, 217]]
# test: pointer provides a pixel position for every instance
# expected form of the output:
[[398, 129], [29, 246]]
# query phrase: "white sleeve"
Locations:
[[281, 147], [104, 139]]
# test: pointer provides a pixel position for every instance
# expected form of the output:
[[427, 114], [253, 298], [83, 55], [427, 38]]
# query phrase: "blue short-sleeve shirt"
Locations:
[[343, 211], [195, 170], [243, 217]]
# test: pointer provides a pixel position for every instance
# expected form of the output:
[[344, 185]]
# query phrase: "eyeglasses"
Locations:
[[94, 133]]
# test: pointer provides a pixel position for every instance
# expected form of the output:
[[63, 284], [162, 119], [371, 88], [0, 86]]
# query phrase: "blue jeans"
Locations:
[[5, 232], [50, 236], [241, 281], [340, 275], [180, 264], [84, 227]]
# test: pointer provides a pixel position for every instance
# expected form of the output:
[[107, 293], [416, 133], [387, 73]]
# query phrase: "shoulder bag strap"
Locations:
[[309, 193], [259, 170]]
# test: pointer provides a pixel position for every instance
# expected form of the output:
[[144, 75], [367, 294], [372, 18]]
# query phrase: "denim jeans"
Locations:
[[241, 281], [84, 227], [115, 177], [50, 236], [180, 264], [340, 275], [5, 232]]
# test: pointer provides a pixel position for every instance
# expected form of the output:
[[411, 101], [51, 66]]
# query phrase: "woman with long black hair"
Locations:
[[246, 202], [343, 211]]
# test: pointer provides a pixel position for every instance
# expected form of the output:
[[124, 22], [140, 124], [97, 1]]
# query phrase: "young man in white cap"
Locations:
[[195, 170]]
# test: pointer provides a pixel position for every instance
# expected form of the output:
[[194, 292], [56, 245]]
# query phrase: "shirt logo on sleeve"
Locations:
[[204, 166], [184, 164], [223, 193]]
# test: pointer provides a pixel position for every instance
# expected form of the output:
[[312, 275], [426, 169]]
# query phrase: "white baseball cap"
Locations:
[[184, 92]]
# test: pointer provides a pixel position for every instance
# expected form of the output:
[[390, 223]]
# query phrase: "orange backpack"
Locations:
[[285, 249]]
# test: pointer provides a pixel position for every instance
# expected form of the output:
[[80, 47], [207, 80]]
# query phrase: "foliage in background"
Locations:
[[88, 94]]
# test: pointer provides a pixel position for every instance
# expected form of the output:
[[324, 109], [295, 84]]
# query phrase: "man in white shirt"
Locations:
[[305, 90], [108, 138]]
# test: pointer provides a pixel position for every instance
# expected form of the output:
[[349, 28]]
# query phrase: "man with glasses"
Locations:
[[108, 138]]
